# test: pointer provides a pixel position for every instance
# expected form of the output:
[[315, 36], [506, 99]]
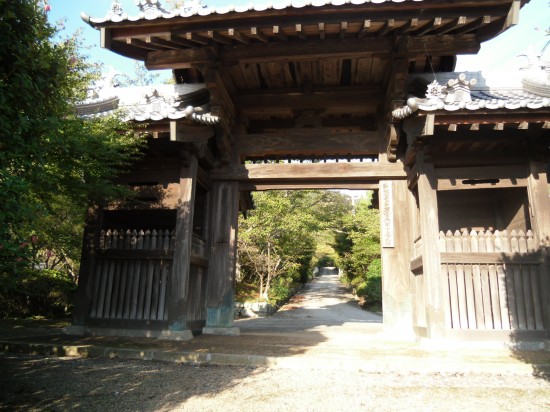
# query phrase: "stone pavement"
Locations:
[[322, 327]]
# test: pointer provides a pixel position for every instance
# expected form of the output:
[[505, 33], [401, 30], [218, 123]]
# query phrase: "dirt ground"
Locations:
[[37, 383]]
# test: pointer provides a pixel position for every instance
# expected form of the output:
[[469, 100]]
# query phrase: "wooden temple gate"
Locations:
[[264, 97]]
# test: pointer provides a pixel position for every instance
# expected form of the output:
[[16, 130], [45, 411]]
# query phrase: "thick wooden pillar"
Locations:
[[539, 206], [435, 285], [179, 280], [396, 238], [86, 277], [223, 259]]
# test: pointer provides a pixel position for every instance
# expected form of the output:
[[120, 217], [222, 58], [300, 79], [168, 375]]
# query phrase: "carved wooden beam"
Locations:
[[325, 172], [356, 99], [318, 141]]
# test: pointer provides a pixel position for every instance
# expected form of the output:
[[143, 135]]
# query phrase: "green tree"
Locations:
[[52, 162], [358, 248], [278, 240], [140, 77]]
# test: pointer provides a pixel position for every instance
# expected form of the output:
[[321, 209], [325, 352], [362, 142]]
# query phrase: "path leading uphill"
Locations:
[[323, 307]]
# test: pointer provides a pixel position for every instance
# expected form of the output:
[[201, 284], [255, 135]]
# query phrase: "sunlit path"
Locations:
[[324, 307]]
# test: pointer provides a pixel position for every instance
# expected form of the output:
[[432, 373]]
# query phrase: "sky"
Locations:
[[497, 54]]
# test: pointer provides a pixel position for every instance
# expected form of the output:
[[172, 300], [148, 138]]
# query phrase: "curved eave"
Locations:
[[482, 108], [485, 117], [233, 11], [157, 31]]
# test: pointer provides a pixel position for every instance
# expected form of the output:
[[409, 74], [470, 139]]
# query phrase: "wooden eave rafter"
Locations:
[[322, 23], [312, 50], [510, 119]]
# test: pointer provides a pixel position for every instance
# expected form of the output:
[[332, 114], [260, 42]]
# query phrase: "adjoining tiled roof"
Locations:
[[453, 92], [151, 103], [152, 9]]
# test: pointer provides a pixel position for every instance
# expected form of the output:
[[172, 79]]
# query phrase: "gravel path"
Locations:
[[322, 323], [58, 384]]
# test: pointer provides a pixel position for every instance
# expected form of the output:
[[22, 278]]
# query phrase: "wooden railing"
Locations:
[[132, 271], [198, 245], [494, 279]]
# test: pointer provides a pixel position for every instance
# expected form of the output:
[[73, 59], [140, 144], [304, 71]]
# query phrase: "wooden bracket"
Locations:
[[180, 132]]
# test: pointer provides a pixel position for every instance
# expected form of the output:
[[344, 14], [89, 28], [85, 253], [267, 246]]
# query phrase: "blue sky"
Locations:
[[496, 54]]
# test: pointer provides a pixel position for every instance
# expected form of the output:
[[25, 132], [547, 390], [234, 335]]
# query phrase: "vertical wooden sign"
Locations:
[[386, 214]]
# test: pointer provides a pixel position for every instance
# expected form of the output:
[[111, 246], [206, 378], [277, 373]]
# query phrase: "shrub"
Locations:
[[37, 293], [371, 288], [326, 261]]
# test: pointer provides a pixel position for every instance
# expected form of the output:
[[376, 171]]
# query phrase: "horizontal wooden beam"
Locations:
[[248, 186], [452, 184], [176, 59], [493, 258], [348, 102], [482, 172], [435, 45], [317, 141], [310, 172], [137, 254]]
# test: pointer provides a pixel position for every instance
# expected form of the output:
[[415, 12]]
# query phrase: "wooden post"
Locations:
[[87, 275], [539, 206], [435, 285], [179, 280], [396, 202], [223, 259]]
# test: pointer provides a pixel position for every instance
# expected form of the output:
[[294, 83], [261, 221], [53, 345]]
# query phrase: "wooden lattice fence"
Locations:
[[132, 273], [494, 279]]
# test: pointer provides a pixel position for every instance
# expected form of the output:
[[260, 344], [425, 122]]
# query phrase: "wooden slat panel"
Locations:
[[276, 75], [331, 72], [518, 283], [469, 283], [476, 281], [116, 289], [113, 270], [161, 314], [505, 278], [363, 73], [453, 285], [122, 289], [306, 72], [461, 284], [97, 282], [166, 271], [138, 286], [251, 75], [143, 281], [485, 286], [536, 285], [156, 292], [520, 239]]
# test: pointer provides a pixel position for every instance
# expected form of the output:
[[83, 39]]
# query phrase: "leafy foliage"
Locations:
[[358, 248], [52, 162], [140, 77], [278, 240]]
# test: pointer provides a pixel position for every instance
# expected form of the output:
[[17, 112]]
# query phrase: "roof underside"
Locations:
[[314, 70]]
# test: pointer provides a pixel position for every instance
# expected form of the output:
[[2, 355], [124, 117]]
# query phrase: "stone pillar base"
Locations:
[[231, 331]]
